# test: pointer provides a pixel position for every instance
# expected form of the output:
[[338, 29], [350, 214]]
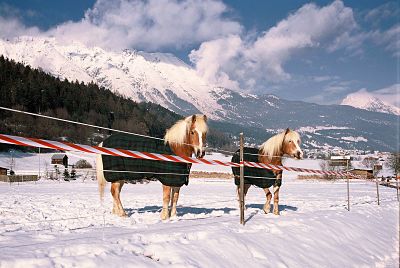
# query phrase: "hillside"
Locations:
[[33, 90]]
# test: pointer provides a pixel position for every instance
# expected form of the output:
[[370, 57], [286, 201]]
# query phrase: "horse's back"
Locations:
[[168, 173], [259, 177]]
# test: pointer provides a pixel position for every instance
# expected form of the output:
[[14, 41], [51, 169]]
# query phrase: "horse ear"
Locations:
[[287, 131], [205, 117], [193, 118]]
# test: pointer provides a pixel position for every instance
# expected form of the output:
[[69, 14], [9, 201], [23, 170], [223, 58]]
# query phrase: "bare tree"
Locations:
[[393, 162], [370, 162], [326, 166]]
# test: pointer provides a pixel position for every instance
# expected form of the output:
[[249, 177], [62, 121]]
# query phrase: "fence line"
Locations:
[[65, 146], [115, 130]]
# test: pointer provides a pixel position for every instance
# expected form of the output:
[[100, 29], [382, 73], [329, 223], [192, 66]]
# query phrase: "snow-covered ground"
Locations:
[[63, 224]]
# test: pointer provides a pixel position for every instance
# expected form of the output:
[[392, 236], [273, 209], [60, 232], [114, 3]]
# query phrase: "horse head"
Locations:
[[291, 144], [197, 134]]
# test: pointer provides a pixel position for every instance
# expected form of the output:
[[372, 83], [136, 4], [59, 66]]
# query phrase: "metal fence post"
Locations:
[[241, 195], [377, 190], [397, 187], [348, 187]]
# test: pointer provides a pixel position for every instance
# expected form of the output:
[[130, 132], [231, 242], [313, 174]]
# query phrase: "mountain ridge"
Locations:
[[165, 80]]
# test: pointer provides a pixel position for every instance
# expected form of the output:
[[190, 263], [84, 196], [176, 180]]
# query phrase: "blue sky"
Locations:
[[316, 51]]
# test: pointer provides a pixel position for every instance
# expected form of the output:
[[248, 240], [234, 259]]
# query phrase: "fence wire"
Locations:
[[120, 131]]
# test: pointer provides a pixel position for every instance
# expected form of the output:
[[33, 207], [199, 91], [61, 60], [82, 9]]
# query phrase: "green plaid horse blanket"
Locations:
[[251, 154], [146, 169]]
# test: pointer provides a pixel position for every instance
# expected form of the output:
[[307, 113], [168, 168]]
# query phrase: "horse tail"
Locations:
[[100, 174]]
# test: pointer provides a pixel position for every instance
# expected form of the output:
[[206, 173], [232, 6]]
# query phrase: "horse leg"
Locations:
[[117, 205], [174, 200], [276, 200], [166, 199], [246, 188], [114, 189], [267, 205]]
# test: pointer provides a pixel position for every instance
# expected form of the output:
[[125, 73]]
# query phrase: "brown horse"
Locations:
[[270, 152], [185, 138]]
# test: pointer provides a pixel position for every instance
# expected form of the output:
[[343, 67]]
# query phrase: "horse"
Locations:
[[185, 138], [270, 152]]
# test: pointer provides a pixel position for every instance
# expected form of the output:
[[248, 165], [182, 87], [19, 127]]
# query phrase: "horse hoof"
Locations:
[[173, 212], [276, 213], [267, 210], [164, 216]]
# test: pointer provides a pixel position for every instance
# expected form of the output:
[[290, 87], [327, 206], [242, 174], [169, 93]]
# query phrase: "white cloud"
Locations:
[[213, 60], [11, 27], [146, 25], [389, 39], [262, 59], [390, 94], [150, 25], [383, 12]]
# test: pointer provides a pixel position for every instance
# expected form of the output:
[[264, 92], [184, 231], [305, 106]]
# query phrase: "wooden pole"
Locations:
[[241, 186], [39, 164], [397, 187], [377, 189], [348, 186]]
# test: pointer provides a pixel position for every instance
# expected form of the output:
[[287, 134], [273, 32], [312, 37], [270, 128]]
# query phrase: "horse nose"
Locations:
[[299, 154]]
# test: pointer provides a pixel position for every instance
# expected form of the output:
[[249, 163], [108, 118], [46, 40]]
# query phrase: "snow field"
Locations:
[[52, 224]]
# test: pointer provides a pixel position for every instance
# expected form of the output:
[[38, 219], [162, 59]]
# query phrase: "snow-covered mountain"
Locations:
[[154, 77], [164, 79], [365, 100]]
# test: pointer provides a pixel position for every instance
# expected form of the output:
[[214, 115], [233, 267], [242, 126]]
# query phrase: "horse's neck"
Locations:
[[181, 149], [274, 160]]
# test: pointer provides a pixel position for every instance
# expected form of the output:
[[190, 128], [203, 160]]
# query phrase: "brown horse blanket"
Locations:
[[264, 176], [145, 169]]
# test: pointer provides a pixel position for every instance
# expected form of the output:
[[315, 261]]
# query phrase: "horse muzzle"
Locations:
[[200, 153], [298, 155]]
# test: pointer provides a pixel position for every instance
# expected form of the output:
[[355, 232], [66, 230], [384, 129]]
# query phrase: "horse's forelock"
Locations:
[[201, 123], [292, 135], [178, 132]]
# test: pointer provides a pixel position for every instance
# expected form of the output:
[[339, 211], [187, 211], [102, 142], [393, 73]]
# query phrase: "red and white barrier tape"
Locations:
[[66, 146]]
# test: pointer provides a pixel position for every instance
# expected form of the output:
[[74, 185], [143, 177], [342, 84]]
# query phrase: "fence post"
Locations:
[[348, 186], [397, 186], [377, 189], [39, 167], [241, 193]]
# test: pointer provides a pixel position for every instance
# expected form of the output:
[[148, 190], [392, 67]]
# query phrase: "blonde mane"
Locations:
[[179, 131], [273, 146]]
